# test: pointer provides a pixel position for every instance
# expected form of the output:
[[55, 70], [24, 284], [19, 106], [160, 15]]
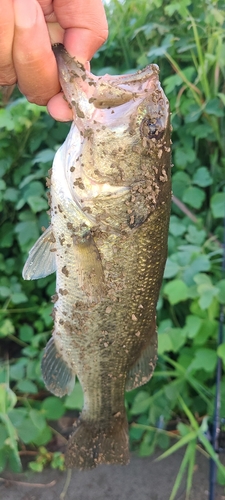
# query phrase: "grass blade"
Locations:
[[187, 457], [191, 467], [184, 440], [190, 415]]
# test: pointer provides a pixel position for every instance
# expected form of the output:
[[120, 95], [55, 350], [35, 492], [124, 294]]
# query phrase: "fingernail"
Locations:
[[26, 12]]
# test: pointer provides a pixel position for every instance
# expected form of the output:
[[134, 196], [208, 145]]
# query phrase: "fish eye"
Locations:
[[151, 128]]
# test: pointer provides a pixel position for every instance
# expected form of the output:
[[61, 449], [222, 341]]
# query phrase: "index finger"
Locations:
[[85, 24], [33, 58]]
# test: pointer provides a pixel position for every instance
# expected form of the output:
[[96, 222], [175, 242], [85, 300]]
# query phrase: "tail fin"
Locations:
[[93, 444]]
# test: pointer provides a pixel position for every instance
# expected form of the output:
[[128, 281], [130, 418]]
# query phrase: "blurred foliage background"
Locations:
[[187, 40]]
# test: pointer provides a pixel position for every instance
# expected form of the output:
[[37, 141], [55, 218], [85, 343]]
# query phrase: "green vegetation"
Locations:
[[187, 40]]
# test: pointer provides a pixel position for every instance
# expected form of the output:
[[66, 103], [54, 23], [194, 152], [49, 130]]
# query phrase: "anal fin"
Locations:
[[57, 375], [143, 369]]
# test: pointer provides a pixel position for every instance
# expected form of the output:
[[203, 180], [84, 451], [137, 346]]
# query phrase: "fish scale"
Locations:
[[110, 195]]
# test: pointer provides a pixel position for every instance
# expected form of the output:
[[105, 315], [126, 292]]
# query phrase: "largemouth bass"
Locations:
[[110, 195]]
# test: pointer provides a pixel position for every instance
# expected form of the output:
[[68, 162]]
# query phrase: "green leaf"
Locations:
[[204, 359], [17, 371], [6, 121], [27, 431], [165, 325], [36, 466], [26, 332], [202, 279], [44, 437], [202, 177], [200, 263], [2, 185], [193, 325], [163, 441], [181, 181], [18, 298], [44, 156], [141, 403], [179, 7], [193, 196], [183, 156], [27, 386], [37, 204], [161, 50], [207, 293], [171, 268], [17, 416], [195, 235], [27, 231], [164, 343], [4, 291], [193, 114], [38, 419], [30, 351], [147, 445], [52, 408], [183, 429], [218, 15], [218, 205], [135, 433], [11, 194], [213, 107], [33, 368], [7, 230], [32, 190], [208, 330], [176, 291], [173, 389], [75, 400], [202, 131], [176, 228], [171, 82], [177, 338], [6, 328]]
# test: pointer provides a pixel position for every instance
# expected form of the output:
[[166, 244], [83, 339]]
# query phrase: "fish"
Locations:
[[110, 197]]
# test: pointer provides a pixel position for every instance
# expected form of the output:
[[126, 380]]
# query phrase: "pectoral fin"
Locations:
[[142, 371], [57, 375], [41, 259]]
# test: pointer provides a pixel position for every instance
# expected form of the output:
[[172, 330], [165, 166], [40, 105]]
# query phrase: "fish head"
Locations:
[[124, 127]]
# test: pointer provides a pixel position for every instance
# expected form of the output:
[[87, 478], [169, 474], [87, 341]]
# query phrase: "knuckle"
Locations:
[[7, 80]]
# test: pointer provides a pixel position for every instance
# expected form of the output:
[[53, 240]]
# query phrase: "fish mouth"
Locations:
[[91, 97]]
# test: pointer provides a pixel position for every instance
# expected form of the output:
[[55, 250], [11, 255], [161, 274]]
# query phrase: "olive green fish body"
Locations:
[[110, 206]]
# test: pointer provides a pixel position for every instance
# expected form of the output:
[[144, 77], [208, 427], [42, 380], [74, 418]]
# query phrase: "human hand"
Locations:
[[30, 27]]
